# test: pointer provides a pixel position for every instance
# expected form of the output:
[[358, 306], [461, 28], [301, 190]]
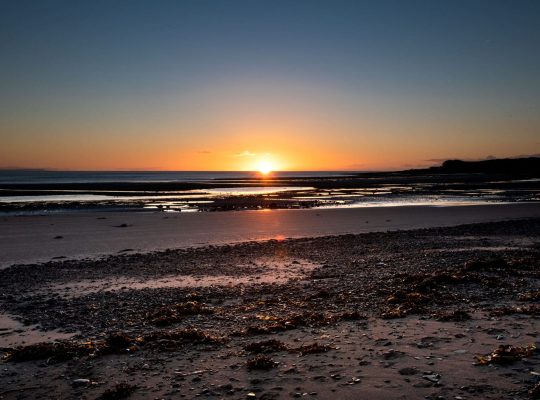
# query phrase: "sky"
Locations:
[[290, 85]]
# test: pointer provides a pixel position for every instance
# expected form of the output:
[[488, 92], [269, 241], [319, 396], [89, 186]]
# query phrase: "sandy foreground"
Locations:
[[25, 239], [380, 315]]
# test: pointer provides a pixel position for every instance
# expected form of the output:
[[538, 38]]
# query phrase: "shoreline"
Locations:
[[30, 239]]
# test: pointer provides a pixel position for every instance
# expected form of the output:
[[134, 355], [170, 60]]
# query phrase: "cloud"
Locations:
[[204, 152], [245, 153]]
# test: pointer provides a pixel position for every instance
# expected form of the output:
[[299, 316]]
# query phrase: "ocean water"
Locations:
[[46, 199], [44, 176]]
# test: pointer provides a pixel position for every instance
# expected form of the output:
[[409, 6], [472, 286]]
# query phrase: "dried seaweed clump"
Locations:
[[116, 343], [312, 348], [261, 362], [119, 391], [506, 354], [487, 264], [527, 310], [530, 296], [456, 315], [52, 352], [119, 343], [175, 313], [279, 324], [403, 303], [534, 392], [265, 346], [173, 339]]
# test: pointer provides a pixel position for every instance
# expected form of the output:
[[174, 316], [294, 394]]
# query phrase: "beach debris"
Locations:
[[197, 372], [401, 297], [311, 348], [486, 264], [251, 395], [506, 354], [173, 339], [456, 315], [279, 324], [409, 303], [272, 345], [261, 362], [52, 352], [116, 343], [174, 313], [532, 309], [534, 392], [266, 346], [118, 392], [530, 296]]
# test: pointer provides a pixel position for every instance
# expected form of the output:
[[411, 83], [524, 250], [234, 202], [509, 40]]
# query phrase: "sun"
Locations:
[[265, 167]]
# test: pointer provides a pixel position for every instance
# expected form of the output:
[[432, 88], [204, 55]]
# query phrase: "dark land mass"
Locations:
[[442, 313]]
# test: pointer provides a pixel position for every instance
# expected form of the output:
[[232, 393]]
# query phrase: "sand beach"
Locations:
[[400, 303]]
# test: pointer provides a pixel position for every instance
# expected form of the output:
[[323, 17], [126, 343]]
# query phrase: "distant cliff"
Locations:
[[520, 166]]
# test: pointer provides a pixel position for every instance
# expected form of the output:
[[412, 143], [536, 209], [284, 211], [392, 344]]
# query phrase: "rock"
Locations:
[[432, 378], [408, 371], [391, 354], [80, 382]]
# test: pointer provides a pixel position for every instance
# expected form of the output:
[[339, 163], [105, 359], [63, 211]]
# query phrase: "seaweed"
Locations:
[[116, 343], [486, 264], [119, 391], [293, 321], [311, 348], [456, 315], [53, 352], [530, 296], [534, 392], [506, 354], [173, 339], [265, 346], [527, 310], [166, 316], [261, 362]]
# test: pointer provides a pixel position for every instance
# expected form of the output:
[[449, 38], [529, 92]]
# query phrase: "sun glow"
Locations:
[[265, 167]]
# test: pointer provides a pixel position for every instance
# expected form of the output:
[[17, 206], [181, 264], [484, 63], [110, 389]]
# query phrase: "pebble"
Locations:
[[432, 378], [80, 382], [407, 371]]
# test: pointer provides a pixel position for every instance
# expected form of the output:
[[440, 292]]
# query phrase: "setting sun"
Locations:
[[265, 167]]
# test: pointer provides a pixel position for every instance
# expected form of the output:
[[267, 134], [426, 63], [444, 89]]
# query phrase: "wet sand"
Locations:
[[25, 239]]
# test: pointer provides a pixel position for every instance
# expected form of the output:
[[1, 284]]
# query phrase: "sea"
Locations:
[[54, 177], [42, 191]]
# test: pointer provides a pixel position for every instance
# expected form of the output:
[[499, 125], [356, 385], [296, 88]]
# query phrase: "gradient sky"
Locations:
[[305, 85]]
